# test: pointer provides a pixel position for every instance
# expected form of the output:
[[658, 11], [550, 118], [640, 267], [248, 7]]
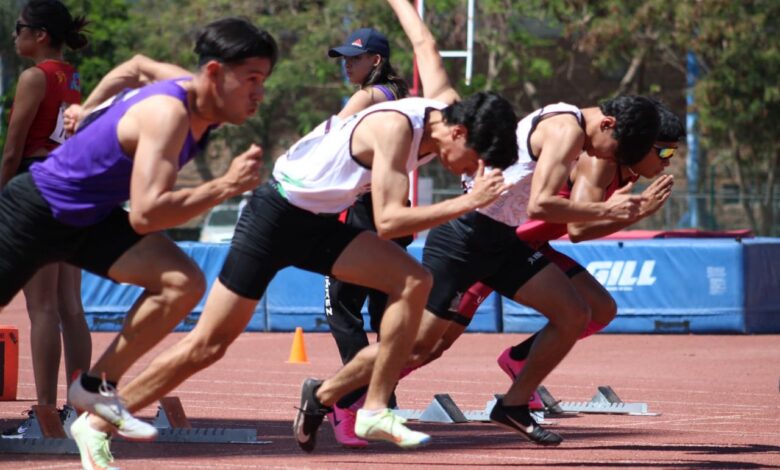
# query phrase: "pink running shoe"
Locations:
[[512, 368], [343, 422]]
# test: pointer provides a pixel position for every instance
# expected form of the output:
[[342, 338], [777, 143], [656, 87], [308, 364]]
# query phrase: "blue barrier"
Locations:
[[669, 285]]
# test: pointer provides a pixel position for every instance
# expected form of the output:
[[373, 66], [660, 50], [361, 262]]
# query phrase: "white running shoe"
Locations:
[[107, 405], [93, 445], [386, 426]]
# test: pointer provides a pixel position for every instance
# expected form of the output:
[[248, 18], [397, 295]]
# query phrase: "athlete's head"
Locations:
[[47, 23], [660, 155], [236, 58], [627, 129], [481, 126], [366, 54]]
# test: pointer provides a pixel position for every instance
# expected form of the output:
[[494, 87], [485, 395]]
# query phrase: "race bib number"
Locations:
[[59, 135]]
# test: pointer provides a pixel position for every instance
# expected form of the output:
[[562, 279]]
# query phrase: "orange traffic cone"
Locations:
[[298, 351]]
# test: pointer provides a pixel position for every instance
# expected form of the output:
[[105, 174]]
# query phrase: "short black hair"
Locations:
[[636, 126], [232, 40], [671, 128], [491, 123], [54, 17]]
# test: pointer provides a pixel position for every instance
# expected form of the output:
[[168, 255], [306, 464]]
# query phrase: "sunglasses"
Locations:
[[20, 26], [664, 153]]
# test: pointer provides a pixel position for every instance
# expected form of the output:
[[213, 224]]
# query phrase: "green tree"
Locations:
[[738, 96]]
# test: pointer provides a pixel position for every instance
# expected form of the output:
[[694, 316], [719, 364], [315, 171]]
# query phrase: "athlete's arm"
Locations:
[[30, 91], [560, 140], [156, 128], [436, 85], [134, 73], [655, 195], [388, 137], [361, 100]]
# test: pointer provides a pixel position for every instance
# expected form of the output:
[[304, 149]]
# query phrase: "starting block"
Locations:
[[46, 435], [443, 409], [173, 426], [604, 401]]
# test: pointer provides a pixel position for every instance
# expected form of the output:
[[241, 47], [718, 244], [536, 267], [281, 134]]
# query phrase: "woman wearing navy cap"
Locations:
[[366, 54]]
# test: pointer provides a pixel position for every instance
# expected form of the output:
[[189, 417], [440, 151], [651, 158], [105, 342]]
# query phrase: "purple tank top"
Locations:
[[88, 176]]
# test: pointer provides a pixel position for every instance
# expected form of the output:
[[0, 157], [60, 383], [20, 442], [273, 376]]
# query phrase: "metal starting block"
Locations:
[[173, 426], [604, 401], [443, 409], [45, 435]]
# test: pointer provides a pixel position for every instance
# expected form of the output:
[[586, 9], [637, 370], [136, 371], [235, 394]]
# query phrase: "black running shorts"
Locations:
[[475, 248], [567, 264], [273, 234], [30, 238]]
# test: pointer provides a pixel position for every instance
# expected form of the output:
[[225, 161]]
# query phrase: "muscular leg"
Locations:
[[76, 339], [568, 315], [173, 285], [602, 306], [224, 317], [390, 270], [40, 293]]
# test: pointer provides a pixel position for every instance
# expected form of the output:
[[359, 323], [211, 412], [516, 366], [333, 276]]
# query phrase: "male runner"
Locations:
[[69, 207], [291, 221], [482, 245], [592, 180]]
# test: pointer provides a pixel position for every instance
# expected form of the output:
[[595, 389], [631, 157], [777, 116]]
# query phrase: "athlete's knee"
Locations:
[[415, 282], [573, 318], [43, 314], [203, 352], [184, 288], [604, 309]]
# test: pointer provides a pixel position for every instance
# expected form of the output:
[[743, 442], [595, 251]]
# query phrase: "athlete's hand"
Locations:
[[623, 205], [72, 117], [656, 194], [244, 172], [487, 186]]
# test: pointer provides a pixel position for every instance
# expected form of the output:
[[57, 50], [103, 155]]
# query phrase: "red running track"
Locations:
[[718, 396]]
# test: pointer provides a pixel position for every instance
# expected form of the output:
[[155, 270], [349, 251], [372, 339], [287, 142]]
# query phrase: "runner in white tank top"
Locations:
[[511, 208], [320, 174]]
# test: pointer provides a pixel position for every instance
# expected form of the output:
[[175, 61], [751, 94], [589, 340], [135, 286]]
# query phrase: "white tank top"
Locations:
[[319, 174], [511, 207]]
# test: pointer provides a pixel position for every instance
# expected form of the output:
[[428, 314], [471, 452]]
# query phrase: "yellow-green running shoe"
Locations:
[[93, 445], [386, 426]]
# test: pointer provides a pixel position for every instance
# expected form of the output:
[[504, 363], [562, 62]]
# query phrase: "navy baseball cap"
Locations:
[[361, 41]]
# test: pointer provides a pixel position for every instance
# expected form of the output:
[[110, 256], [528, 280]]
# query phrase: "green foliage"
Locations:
[[534, 52]]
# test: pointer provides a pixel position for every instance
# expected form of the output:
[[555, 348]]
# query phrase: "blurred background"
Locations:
[[715, 63]]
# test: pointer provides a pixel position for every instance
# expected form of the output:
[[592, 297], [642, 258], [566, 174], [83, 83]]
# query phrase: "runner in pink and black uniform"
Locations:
[[591, 180]]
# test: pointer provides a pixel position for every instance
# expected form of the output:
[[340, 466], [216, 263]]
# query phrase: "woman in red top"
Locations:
[[36, 127]]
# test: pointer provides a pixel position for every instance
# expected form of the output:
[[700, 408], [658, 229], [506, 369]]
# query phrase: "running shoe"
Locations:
[[309, 416], [17, 432], [512, 368], [107, 404], [386, 426], [93, 445], [343, 422], [518, 418], [68, 415]]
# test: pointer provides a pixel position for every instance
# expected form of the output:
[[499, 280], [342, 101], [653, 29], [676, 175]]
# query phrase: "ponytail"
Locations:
[[384, 74], [53, 17]]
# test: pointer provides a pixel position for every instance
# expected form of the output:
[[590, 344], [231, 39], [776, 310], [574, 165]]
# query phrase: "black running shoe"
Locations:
[[310, 415], [518, 418]]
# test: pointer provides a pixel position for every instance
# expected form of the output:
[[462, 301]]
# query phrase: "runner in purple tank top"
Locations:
[[69, 208]]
